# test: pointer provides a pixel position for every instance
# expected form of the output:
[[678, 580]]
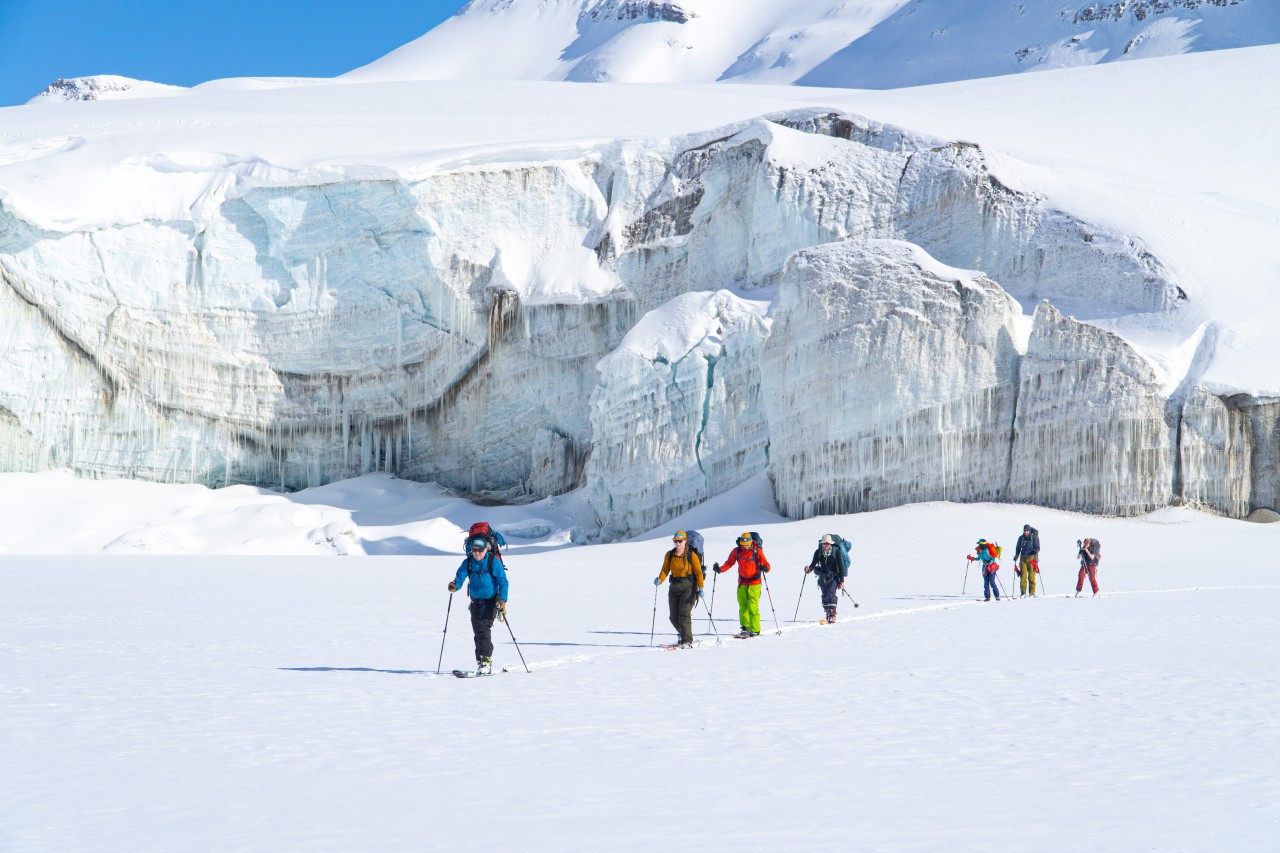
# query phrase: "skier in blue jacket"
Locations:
[[486, 579]]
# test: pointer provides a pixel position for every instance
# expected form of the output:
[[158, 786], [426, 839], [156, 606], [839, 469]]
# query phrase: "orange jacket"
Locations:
[[682, 567], [749, 561]]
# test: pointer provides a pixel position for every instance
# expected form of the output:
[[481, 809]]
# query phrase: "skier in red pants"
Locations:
[[1090, 553]]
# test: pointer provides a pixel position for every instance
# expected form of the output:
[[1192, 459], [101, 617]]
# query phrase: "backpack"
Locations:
[[695, 542], [482, 530], [755, 537], [842, 548]]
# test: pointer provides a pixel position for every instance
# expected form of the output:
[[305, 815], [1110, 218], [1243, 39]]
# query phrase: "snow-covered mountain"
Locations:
[[103, 87], [867, 44], [1052, 288]]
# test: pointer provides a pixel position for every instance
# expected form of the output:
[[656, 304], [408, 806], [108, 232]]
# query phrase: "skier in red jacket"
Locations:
[[751, 562]]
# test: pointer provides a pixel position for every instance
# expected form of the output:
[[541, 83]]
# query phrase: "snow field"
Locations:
[[253, 703]]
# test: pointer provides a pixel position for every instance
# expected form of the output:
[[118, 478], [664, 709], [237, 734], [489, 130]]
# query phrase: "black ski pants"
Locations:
[[483, 612], [680, 598]]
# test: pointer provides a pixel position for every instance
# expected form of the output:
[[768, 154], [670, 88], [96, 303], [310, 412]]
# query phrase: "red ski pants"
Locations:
[[1092, 572]]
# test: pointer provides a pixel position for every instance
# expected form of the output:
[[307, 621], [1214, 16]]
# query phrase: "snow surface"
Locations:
[[159, 698]]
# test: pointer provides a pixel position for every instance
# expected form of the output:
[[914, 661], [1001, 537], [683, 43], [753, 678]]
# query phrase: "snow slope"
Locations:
[[872, 44], [189, 702]]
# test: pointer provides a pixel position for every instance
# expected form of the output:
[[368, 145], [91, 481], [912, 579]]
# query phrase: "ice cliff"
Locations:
[[825, 298]]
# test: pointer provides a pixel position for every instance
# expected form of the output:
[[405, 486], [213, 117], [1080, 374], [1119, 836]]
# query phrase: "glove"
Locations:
[[657, 581], [969, 558], [808, 569], [699, 595], [717, 568], [453, 587], [502, 609]]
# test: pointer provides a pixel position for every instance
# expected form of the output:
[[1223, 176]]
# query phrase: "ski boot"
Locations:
[[485, 666]]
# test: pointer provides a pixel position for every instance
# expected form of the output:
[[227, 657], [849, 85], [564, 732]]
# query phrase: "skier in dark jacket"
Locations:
[[829, 562], [486, 579], [1026, 560], [1090, 554]]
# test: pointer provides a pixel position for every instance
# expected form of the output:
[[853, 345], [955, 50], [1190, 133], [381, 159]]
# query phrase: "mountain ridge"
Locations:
[[878, 44]]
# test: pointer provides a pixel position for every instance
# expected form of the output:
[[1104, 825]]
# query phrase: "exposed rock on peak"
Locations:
[[101, 87], [638, 10]]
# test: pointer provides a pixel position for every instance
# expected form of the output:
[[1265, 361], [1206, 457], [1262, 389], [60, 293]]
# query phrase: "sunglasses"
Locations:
[[478, 550]]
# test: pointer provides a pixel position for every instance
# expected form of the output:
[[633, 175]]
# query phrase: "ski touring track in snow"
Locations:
[[706, 640]]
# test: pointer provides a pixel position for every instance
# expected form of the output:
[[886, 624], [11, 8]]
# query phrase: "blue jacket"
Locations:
[[984, 554], [486, 577]]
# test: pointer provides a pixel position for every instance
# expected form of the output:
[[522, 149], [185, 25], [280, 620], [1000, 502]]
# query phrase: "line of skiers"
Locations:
[[684, 565], [1026, 556], [486, 578]]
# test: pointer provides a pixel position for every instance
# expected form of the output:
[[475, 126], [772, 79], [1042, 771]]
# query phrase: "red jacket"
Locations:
[[749, 561]]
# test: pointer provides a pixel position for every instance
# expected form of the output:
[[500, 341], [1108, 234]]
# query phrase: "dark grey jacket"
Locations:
[[830, 567], [1028, 545]]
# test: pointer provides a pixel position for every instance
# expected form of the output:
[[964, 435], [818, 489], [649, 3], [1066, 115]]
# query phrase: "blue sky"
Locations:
[[184, 42]]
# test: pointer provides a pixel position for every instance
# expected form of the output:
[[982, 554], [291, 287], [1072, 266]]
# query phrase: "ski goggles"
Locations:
[[745, 540]]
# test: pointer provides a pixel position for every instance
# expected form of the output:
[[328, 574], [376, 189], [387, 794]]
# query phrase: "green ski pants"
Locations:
[[749, 607]]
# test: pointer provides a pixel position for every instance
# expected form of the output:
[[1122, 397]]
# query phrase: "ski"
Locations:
[[460, 673]]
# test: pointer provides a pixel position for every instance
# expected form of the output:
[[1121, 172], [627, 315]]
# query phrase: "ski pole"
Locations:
[[710, 621], [802, 585], [654, 622], [513, 639], [771, 610], [446, 633], [848, 596], [967, 564], [1000, 585]]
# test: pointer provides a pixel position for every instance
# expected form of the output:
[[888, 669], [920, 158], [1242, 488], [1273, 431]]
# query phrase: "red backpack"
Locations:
[[482, 530]]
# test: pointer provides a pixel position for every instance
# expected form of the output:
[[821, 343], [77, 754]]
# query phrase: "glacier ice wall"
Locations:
[[888, 379], [468, 326], [1091, 430], [677, 415], [1264, 429], [1215, 454]]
